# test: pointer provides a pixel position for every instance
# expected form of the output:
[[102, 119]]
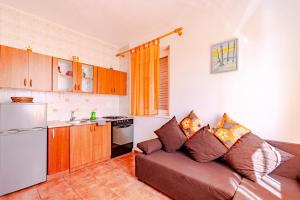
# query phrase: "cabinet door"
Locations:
[[75, 76], [13, 67], [80, 146], [87, 78], [40, 72], [103, 81], [120, 83], [102, 143], [106, 141], [62, 75], [58, 150]]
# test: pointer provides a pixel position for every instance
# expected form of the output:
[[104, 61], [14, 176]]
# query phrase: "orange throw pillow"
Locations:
[[190, 124], [228, 131]]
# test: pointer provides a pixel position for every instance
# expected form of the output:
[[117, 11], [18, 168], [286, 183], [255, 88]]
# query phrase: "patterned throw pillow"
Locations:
[[228, 131], [190, 124]]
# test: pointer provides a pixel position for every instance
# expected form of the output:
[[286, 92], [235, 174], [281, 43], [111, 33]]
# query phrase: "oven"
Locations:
[[121, 135]]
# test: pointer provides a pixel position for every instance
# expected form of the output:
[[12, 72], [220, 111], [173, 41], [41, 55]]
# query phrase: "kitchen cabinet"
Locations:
[[111, 81], [62, 71], [80, 146], [71, 76], [24, 69], [102, 143], [89, 144], [58, 150], [40, 71], [13, 68]]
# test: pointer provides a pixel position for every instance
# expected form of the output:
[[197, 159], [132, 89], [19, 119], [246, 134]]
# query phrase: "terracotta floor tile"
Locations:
[[56, 189], [25, 194], [110, 180], [96, 192]]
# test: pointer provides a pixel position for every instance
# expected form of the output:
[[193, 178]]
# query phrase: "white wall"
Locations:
[[19, 29], [263, 95]]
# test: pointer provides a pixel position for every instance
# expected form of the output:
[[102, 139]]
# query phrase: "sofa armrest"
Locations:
[[150, 146]]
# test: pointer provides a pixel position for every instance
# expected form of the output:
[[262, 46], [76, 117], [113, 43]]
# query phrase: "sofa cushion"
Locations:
[[271, 187], [228, 131], [183, 178], [150, 146], [204, 146], [290, 168], [254, 158], [171, 136], [190, 124]]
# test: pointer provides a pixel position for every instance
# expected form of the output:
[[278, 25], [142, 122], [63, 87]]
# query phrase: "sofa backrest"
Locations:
[[290, 168]]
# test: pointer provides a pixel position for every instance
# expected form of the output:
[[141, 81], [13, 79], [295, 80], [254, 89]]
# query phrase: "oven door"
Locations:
[[122, 134]]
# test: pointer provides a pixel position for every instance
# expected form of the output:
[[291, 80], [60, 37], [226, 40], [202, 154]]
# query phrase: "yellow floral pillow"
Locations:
[[190, 124], [228, 131]]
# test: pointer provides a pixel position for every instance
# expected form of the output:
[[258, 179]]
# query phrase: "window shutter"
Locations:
[[164, 84]]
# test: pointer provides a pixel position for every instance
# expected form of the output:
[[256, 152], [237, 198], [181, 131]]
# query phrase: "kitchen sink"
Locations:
[[78, 122]]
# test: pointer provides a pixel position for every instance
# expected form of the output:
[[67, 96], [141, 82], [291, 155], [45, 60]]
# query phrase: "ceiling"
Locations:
[[114, 21]]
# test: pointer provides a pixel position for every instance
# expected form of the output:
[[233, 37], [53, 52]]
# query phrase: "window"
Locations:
[[164, 85]]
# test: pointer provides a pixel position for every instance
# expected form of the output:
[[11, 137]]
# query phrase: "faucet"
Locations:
[[72, 115]]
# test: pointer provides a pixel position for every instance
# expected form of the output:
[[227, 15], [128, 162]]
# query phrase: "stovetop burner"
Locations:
[[114, 117]]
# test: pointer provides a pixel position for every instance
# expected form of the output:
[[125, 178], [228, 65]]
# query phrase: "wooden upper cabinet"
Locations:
[[40, 72], [84, 78], [13, 68], [122, 83], [103, 81], [58, 150], [62, 75], [25, 70], [111, 82]]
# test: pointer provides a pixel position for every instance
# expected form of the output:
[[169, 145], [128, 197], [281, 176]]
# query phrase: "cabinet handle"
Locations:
[[30, 82], [25, 82], [75, 87], [78, 87], [53, 134], [94, 128]]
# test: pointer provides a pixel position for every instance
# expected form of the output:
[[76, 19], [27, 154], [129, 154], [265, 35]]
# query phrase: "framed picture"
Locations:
[[224, 56]]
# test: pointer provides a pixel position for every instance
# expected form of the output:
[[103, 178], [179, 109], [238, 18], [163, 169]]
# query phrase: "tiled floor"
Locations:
[[110, 180]]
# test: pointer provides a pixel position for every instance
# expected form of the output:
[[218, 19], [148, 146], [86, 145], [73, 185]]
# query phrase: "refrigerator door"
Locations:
[[22, 116], [23, 159]]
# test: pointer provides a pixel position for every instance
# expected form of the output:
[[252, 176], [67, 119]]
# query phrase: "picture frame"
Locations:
[[224, 56]]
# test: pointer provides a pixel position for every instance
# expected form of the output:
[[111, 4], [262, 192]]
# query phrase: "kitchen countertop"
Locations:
[[55, 124]]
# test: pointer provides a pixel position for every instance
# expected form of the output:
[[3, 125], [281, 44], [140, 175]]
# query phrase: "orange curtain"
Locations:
[[145, 79]]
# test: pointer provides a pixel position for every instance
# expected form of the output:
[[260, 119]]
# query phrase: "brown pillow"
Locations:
[[253, 158], [150, 146], [203, 146], [171, 136]]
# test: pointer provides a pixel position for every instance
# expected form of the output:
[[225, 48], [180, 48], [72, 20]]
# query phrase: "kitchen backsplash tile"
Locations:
[[60, 105]]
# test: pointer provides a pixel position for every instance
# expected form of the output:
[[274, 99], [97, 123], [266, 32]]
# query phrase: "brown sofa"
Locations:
[[182, 178]]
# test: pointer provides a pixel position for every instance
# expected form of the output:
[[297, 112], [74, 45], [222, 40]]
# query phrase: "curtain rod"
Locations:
[[177, 31]]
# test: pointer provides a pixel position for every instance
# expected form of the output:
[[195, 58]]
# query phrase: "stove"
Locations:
[[114, 117], [121, 134]]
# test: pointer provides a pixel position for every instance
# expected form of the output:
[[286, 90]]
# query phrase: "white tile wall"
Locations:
[[19, 29]]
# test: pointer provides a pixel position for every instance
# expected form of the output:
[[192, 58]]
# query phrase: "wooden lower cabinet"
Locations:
[[58, 150], [80, 146], [89, 144], [102, 143]]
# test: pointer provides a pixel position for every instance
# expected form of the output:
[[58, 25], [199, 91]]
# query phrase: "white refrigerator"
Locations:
[[23, 145]]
